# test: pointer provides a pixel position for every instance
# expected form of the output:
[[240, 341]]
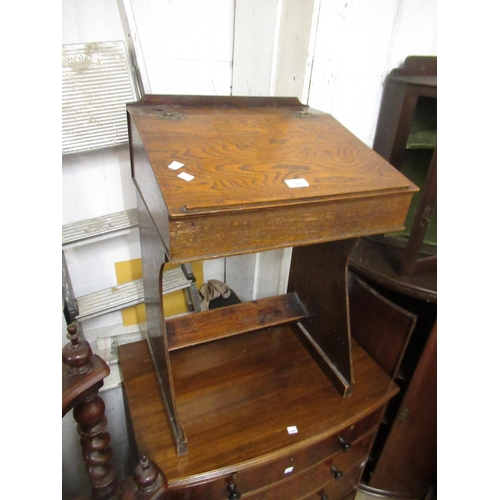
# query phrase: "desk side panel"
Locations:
[[153, 259], [318, 275], [147, 185]]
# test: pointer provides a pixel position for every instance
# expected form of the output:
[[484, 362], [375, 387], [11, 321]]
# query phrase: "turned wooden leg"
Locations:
[[83, 375], [89, 414]]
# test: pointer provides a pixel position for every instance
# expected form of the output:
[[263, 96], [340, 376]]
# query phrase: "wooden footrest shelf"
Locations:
[[234, 320]]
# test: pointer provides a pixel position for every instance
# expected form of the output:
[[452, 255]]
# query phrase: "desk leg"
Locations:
[[153, 261], [318, 274]]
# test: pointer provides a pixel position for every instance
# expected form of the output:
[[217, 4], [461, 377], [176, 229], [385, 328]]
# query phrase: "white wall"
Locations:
[[357, 44], [187, 45], [332, 54], [187, 48], [98, 182]]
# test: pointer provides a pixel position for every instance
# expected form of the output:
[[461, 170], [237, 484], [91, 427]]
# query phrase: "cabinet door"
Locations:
[[380, 327], [408, 461], [406, 136]]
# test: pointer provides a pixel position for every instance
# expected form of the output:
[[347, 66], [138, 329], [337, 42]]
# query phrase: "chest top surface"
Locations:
[[242, 151]]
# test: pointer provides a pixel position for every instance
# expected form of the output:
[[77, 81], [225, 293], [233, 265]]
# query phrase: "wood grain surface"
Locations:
[[241, 157], [240, 152], [233, 320], [236, 398]]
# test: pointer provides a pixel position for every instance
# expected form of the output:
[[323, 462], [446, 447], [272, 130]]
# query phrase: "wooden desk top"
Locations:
[[241, 151], [237, 396]]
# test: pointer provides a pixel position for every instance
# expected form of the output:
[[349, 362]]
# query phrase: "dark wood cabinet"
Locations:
[[406, 137], [270, 398], [408, 463], [403, 460], [400, 269]]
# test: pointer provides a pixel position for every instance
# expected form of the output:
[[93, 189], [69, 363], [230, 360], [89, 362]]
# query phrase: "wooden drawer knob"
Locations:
[[337, 474], [233, 494], [344, 444]]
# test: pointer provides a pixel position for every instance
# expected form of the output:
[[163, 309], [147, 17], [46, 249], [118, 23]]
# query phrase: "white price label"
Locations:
[[297, 183], [175, 165], [292, 429], [186, 176]]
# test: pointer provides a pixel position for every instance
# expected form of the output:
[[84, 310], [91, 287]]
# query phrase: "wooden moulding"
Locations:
[[281, 227]]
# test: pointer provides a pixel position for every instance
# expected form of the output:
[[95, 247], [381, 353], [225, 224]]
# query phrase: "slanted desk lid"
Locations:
[[271, 152]]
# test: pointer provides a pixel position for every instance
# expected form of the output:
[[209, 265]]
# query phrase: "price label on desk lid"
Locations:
[[185, 176], [175, 165], [292, 429], [297, 183]]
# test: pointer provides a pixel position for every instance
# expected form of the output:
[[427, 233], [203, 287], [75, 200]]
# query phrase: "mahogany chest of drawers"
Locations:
[[237, 397]]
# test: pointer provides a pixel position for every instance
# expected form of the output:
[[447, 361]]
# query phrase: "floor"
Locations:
[[365, 496]]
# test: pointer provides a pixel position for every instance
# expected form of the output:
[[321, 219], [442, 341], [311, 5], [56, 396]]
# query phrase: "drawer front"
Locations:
[[300, 484], [287, 467], [343, 491], [349, 496], [318, 480]]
